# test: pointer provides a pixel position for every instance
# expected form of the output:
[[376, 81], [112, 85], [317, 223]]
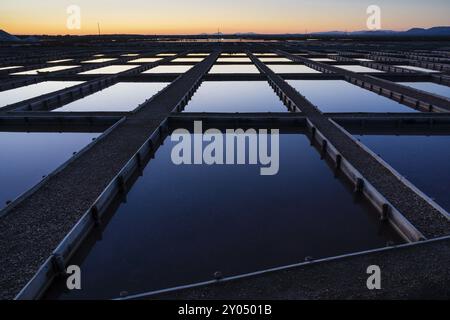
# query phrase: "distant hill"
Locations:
[[6, 37], [435, 31], [432, 32], [440, 31]]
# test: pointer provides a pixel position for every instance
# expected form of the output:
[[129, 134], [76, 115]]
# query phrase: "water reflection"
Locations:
[[359, 69], [26, 157], [429, 87], [168, 69], [33, 90], [341, 96], [235, 96], [170, 233], [424, 160], [109, 69], [291, 68], [234, 68], [41, 70], [125, 96]]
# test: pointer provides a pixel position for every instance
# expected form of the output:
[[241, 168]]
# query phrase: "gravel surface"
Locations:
[[418, 272]]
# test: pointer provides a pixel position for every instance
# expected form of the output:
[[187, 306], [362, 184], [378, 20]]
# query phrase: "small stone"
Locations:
[[218, 275]]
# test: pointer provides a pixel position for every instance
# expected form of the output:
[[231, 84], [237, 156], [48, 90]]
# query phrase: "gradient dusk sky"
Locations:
[[198, 16]]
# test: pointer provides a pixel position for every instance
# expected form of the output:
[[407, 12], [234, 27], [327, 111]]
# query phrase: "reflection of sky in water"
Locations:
[[168, 69], [125, 96], [418, 69], [293, 68], [26, 157], [234, 68], [341, 96], [425, 161], [109, 69], [359, 69], [429, 87], [48, 69], [235, 96], [33, 90], [181, 224]]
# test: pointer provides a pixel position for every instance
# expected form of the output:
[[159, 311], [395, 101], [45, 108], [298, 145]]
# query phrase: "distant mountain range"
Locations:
[[433, 32], [443, 31], [6, 37]]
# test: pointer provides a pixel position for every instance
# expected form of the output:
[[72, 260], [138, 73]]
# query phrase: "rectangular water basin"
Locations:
[[266, 54], [235, 96], [322, 60], [58, 61], [341, 96], [110, 69], [27, 157], [360, 69], [125, 96], [234, 68], [234, 221], [423, 160], [243, 59], [33, 90], [174, 69], [10, 68], [144, 60], [293, 68], [233, 55], [418, 69], [280, 59], [191, 60], [430, 87], [42, 70], [100, 60]]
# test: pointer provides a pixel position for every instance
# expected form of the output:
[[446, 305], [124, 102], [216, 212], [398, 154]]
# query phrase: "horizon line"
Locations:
[[224, 34]]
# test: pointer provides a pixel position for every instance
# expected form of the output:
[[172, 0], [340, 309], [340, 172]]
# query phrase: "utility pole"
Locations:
[[98, 27]]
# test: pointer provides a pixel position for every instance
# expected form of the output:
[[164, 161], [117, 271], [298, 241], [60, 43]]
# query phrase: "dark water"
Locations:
[[181, 224], [125, 96], [26, 157], [341, 96], [235, 96], [423, 160]]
